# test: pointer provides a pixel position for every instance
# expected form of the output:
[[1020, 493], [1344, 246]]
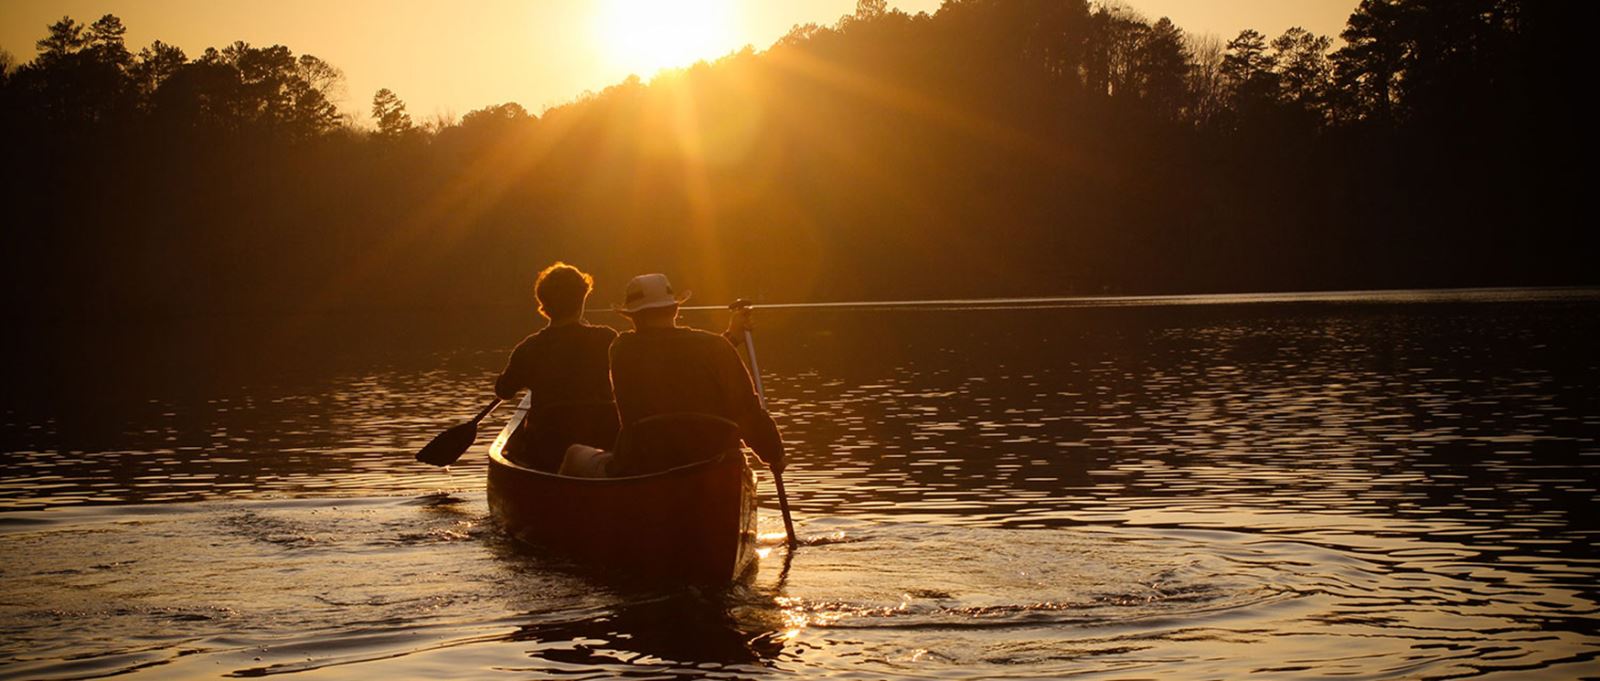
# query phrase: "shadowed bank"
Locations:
[[993, 148]]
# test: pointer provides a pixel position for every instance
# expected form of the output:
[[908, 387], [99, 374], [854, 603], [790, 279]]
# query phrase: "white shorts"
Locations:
[[583, 461]]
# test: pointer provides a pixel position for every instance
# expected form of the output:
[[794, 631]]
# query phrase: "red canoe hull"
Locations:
[[693, 524]]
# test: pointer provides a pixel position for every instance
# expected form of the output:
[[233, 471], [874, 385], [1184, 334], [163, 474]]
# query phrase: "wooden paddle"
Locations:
[[755, 373], [448, 446]]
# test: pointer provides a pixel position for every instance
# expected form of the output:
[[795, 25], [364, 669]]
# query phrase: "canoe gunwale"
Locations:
[[694, 523], [497, 457]]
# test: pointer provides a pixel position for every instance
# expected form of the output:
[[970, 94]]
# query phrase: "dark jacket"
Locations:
[[566, 370], [560, 364], [675, 370]]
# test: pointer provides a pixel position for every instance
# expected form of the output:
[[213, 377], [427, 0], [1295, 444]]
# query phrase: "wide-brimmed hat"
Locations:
[[649, 291]]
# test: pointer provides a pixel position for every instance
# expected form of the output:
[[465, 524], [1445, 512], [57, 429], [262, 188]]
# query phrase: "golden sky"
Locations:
[[448, 58]]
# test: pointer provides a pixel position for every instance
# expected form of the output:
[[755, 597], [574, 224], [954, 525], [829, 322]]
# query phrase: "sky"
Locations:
[[449, 58]]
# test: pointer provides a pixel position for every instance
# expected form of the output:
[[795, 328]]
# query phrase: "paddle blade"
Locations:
[[449, 445]]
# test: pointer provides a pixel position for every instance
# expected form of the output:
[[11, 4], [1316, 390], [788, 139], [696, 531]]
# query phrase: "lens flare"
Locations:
[[645, 36]]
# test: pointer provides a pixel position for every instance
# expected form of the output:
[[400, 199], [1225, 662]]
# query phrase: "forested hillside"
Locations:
[[997, 147]]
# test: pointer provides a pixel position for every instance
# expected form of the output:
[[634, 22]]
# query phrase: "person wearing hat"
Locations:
[[662, 368], [566, 369]]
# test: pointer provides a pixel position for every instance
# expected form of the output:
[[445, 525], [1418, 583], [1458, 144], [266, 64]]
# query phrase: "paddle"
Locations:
[[448, 446], [755, 373]]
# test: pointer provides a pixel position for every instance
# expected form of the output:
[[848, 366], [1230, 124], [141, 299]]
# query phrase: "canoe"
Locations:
[[691, 524]]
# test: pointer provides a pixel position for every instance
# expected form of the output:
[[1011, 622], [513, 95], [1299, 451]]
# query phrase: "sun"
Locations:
[[645, 36]]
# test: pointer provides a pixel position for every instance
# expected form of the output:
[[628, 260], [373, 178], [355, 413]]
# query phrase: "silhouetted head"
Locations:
[[561, 290], [649, 301]]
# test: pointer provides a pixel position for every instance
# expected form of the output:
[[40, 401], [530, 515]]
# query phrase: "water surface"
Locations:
[[1391, 486]]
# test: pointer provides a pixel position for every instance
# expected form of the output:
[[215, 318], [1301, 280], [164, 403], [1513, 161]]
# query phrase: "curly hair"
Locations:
[[561, 290]]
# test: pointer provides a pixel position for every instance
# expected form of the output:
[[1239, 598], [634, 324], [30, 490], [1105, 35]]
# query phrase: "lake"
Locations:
[[1351, 485]]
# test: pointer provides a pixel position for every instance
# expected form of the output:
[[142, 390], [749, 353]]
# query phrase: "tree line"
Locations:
[[995, 147]]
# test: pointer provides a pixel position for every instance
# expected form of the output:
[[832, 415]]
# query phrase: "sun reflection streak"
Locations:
[[697, 186], [922, 106], [901, 190], [447, 214]]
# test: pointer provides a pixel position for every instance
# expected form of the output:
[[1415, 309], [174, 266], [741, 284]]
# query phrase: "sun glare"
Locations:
[[645, 36]]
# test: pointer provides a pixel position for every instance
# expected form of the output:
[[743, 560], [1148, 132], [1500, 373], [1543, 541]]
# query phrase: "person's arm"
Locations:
[[755, 424], [738, 324], [622, 392], [515, 376]]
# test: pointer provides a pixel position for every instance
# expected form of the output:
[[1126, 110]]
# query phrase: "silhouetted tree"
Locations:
[[1369, 63], [1111, 61], [867, 10], [8, 63], [275, 92], [238, 88], [1248, 67], [105, 40], [154, 65], [65, 39], [800, 34], [1304, 71], [390, 113], [497, 116], [1163, 68], [79, 76], [1208, 92]]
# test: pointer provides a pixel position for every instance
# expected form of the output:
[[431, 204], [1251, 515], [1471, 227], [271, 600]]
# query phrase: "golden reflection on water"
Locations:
[[1374, 491]]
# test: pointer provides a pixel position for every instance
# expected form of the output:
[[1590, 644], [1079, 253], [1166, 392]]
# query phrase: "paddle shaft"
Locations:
[[777, 478], [486, 410], [755, 369]]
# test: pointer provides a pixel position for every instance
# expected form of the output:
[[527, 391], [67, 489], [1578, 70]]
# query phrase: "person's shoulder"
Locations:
[[600, 331], [707, 337], [624, 339], [528, 341]]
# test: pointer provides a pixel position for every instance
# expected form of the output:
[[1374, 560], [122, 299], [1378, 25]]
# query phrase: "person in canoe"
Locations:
[[661, 368], [565, 368]]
